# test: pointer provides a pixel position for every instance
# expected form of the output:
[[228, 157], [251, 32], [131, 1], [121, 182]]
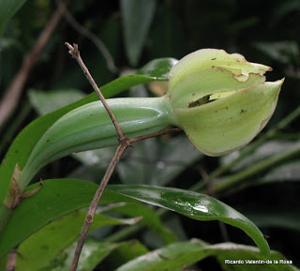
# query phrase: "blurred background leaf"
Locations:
[[137, 16], [8, 8]]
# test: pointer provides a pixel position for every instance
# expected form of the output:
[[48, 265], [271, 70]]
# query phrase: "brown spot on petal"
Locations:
[[241, 77]]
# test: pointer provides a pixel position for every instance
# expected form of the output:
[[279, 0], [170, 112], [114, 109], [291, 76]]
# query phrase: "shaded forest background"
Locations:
[[266, 32]]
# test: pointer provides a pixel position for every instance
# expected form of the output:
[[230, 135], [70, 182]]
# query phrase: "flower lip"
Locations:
[[221, 100], [230, 122], [210, 98]]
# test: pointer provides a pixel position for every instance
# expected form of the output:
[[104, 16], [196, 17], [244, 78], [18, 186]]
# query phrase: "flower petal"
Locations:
[[209, 71], [229, 123]]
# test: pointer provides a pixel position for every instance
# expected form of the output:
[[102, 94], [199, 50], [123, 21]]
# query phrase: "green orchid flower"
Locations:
[[221, 100]]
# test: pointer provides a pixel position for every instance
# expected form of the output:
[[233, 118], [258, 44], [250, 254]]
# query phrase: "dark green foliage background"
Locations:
[[266, 32]]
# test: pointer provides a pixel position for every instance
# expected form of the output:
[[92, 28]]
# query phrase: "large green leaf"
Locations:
[[52, 201], [194, 205], [137, 17], [89, 127], [179, 255], [60, 197], [26, 140], [8, 8], [42, 248]]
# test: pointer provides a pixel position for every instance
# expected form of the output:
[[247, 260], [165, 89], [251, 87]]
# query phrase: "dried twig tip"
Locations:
[[73, 50]]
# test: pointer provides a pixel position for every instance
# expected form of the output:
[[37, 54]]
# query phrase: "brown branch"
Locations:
[[124, 143], [93, 38], [14, 90], [93, 206], [155, 134], [75, 53]]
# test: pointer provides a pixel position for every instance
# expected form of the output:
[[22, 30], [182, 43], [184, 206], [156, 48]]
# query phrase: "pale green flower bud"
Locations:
[[221, 100]]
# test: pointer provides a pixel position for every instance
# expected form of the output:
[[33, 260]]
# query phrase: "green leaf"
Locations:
[[194, 205], [42, 248], [167, 32], [178, 256], [60, 197], [57, 198], [52, 201], [137, 17], [89, 127], [158, 67], [8, 8], [21, 148]]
